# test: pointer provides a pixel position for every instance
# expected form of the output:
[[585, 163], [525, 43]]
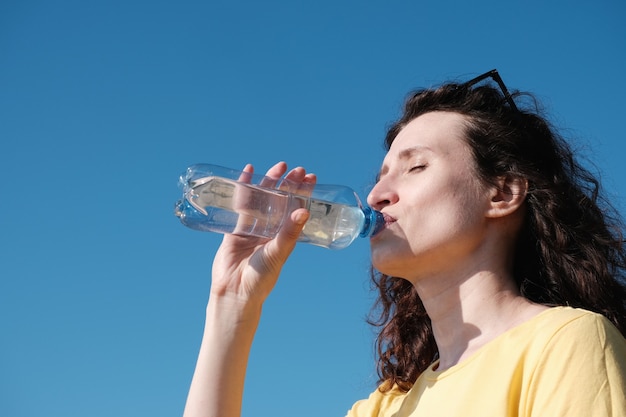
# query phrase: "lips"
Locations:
[[387, 222], [388, 219]]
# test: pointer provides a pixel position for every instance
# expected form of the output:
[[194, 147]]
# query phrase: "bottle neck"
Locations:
[[374, 222]]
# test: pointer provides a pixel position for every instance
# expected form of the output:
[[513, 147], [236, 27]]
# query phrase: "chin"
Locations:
[[388, 261]]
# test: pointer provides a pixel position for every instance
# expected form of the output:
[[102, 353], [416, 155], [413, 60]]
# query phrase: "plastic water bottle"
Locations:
[[222, 200]]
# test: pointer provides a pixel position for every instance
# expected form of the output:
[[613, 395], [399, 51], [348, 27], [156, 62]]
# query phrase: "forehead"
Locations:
[[441, 133]]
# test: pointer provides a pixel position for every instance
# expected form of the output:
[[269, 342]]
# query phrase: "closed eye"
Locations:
[[417, 168]]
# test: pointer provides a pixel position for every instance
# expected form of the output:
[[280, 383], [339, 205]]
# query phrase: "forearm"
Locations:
[[217, 385], [244, 272]]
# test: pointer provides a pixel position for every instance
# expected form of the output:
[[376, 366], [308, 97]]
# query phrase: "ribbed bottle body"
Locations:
[[221, 200]]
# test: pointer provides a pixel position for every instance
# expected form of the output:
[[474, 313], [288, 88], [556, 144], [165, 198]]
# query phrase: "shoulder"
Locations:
[[577, 323], [566, 336], [380, 403], [559, 341], [577, 345]]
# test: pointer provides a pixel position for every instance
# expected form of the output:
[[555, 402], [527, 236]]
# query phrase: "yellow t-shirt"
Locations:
[[564, 362]]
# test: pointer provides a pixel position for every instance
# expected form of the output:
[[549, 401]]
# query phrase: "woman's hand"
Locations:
[[246, 269]]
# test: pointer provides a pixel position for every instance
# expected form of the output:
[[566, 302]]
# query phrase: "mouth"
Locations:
[[387, 222], [388, 219]]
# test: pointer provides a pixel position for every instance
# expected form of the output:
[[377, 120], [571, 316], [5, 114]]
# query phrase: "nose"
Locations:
[[381, 196]]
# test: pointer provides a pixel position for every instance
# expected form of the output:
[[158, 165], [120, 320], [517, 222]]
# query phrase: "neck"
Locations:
[[463, 311]]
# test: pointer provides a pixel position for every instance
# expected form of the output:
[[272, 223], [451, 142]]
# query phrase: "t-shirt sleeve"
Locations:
[[581, 372], [378, 404]]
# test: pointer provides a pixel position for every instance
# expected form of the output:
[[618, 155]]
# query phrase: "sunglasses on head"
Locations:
[[493, 74]]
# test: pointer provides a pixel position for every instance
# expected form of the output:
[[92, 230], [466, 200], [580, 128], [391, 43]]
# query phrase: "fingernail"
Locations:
[[300, 218]]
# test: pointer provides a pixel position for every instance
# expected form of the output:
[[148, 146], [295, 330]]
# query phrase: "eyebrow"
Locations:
[[409, 152]]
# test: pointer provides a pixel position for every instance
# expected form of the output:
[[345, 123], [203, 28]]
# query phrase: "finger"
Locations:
[[272, 176], [277, 170], [279, 249], [310, 178], [292, 181], [246, 174], [296, 175], [241, 199], [306, 185]]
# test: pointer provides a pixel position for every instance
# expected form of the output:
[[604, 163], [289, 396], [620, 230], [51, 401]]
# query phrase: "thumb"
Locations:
[[281, 247], [289, 233], [277, 250]]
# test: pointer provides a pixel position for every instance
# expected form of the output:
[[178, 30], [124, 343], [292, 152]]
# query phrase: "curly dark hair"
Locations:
[[569, 251]]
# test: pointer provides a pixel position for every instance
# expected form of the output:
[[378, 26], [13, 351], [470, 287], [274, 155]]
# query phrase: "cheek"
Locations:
[[443, 217]]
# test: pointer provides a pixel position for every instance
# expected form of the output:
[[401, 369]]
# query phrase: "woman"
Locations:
[[501, 273]]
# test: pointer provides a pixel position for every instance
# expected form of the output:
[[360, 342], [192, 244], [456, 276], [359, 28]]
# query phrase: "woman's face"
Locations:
[[431, 197]]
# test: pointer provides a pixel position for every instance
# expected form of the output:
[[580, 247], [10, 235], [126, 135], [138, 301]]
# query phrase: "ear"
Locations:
[[507, 195]]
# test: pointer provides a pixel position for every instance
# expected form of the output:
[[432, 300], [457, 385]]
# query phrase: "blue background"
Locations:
[[104, 103]]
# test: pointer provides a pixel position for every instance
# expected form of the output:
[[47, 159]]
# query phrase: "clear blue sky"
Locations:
[[104, 103]]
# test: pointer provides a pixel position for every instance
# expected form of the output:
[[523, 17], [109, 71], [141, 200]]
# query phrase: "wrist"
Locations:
[[233, 310]]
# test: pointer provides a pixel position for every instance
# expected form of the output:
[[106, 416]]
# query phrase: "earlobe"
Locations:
[[507, 196]]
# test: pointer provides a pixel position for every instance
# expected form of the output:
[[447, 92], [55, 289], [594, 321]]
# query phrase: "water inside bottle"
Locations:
[[239, 208], [255, 211], [332, 225]]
